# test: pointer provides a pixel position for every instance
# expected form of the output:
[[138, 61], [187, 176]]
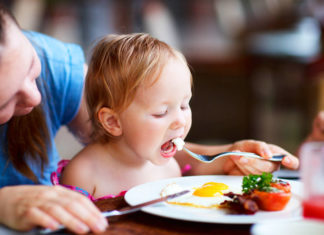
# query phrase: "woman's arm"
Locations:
[[80, 126], [197, 167]]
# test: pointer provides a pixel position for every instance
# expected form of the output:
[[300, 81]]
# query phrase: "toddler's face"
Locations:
[[158, 114]]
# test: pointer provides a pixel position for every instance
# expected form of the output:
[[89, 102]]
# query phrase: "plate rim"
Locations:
[[246, 218]]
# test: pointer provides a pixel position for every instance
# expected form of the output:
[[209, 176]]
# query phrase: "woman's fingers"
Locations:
[[258, 147], [76, 212], [95, 222], [235, 171], [257, 166], [290, 162], [245, 166], [229, 166], [67, 219], [35, 216], [24, 207]]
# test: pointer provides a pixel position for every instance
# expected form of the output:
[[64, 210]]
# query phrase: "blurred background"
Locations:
[[257, 64]]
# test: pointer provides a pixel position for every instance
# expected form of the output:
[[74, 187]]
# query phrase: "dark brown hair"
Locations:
[[27, 136]]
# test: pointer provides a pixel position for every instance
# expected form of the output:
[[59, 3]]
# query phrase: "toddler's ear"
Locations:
[[109, 120]]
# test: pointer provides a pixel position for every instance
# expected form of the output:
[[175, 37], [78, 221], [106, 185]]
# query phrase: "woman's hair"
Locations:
[[27, 136], [119, 65]]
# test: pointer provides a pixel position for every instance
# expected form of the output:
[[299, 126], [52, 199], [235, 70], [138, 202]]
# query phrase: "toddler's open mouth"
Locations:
[[168, 149]]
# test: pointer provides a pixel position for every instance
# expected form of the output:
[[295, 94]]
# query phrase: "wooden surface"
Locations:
[[143, 223]]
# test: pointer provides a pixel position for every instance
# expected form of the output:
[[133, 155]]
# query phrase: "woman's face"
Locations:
[[19, 68]]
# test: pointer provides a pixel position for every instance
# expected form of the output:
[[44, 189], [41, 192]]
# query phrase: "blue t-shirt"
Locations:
[[61, 84]]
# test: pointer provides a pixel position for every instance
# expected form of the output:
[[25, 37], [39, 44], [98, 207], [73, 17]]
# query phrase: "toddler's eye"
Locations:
[[159, 115], [184, 107]]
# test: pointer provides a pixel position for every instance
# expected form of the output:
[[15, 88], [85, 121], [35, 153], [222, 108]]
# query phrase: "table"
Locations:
[[143, 223]]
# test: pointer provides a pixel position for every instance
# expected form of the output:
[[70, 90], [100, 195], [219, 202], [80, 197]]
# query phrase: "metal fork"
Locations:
[[208, 159]]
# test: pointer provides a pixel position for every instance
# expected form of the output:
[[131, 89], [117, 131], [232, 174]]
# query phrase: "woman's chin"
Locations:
[[23, 111]]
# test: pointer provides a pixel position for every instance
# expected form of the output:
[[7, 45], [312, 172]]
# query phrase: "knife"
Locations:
[[125, 210]]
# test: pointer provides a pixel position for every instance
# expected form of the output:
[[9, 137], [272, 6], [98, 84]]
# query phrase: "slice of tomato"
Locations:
[[271, 201]]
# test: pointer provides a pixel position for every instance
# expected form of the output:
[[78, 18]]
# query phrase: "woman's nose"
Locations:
[[30, 95]]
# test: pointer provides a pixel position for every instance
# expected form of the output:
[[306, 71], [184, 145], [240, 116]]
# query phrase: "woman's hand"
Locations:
[[24, 207], [317, 133], [238, 165]]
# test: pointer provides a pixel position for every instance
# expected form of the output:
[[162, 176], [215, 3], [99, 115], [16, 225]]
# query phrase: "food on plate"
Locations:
[[268, 194], [240, 204], [257, 192], [208, 195]]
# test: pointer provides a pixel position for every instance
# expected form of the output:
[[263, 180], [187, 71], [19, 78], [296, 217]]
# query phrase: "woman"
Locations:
[[31, 112], [30, 116]]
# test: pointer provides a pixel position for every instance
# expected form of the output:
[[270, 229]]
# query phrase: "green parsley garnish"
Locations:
[[259, 182]]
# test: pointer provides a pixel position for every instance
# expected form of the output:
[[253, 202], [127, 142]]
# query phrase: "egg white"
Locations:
[[194, 201]]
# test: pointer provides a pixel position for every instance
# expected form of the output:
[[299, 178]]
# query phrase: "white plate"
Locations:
[[149, 191], [302, 227]]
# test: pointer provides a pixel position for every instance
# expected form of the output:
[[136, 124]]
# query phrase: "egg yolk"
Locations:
[[210, 189]]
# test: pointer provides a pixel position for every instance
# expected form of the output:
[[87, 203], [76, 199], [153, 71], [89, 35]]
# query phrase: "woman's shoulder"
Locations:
[[62, 77], [55, 49]]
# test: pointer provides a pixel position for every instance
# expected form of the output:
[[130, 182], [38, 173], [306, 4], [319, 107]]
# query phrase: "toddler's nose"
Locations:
[[179, 122]]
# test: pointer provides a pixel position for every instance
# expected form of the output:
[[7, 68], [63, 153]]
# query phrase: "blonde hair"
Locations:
[[119, 65]]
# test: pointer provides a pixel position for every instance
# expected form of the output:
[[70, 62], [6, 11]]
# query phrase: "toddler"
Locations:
[[138, 91]]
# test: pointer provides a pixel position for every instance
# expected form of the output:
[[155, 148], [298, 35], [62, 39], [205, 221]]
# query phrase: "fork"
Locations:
[[208, 159]]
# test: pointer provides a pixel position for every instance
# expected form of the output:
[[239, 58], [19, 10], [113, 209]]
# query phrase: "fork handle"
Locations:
[[274, 158]]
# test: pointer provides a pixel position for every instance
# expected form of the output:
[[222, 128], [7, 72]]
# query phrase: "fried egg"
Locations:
[[208, 195]]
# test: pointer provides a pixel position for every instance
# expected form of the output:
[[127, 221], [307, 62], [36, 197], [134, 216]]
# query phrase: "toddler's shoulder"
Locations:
[[80, 171]]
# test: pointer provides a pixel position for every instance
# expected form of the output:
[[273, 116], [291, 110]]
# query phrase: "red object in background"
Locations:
[[314, 207]]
